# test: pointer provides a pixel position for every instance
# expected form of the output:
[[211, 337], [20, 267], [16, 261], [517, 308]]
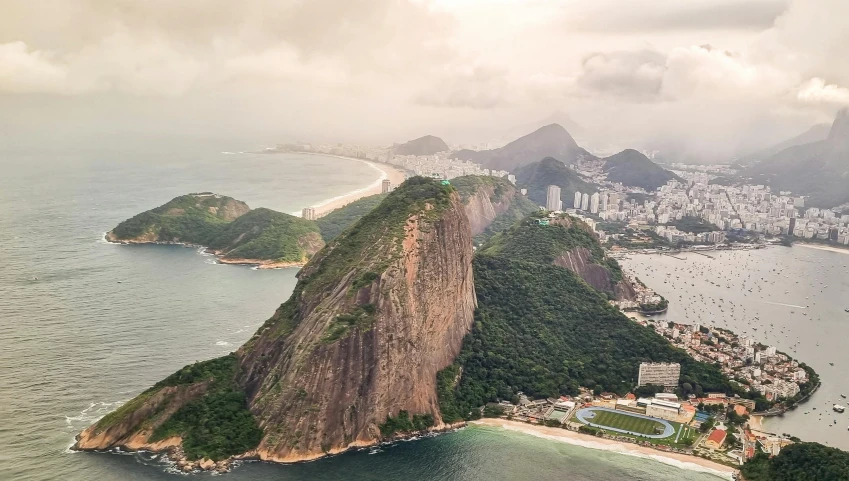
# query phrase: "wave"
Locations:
[[620, 449], [785, 305]]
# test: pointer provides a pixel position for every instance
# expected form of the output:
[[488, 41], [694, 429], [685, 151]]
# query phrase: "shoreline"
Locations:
[[395, 176], [839, 250], [683, 461]]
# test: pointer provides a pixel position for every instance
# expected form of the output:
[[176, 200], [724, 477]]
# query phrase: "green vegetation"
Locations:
[[362, 318], [694, 225], [537, 176], [332, 224], [403, 424], [799, 462], [634, 169], [532, 242], [623, 421], [661, 305], [193, 218], [268, 235], [541, 330], [374, 242], [217, 425], [225, 225]]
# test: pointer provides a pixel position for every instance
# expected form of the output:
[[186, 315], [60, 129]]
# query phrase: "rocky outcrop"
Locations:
[[345, 353], [483, 207], [579, 260], [130, 426]]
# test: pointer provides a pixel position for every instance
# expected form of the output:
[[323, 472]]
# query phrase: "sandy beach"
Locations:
[[839, 250], [395, 176], [683, 461]]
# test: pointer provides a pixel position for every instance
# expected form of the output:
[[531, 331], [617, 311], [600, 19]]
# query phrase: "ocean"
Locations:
[[792, 298], [86, 325]]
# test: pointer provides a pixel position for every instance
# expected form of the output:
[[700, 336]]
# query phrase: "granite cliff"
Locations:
[[492, 204], [351, 358]]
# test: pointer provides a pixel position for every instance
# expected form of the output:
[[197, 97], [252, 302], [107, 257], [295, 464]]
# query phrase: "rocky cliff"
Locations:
[[580, 261], [349, 359], [492, 204]]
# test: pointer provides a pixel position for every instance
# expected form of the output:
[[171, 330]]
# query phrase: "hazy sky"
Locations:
[[717, 75]]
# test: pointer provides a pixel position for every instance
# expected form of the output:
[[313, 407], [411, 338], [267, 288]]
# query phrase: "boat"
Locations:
[[843, 396], [831, 364], [838, 408]]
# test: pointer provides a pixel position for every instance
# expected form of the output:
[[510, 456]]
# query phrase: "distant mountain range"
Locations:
[[427, 145], [818, 169], [634, 169], [549, 141], [815, 134], [537, 176]]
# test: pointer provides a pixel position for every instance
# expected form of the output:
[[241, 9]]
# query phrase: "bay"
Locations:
[[86, 325]]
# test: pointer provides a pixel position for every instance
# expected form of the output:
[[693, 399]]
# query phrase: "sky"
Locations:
[[713, 78]]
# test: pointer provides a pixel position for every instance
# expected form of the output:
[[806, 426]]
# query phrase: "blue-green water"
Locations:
[[85, 325]]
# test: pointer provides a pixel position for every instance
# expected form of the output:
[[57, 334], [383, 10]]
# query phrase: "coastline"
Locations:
[[839, 250], [683, 461], [395, 176]]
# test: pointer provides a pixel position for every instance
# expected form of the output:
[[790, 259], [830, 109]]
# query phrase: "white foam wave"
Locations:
[[223, 343], [621, 449]]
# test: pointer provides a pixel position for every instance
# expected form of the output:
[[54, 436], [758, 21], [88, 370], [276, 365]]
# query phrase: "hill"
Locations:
[[549, 141], [492, 204], [816, 133], [350, 359], [228, 227], [819, 170], [542, 330], [799, 462], [537, 176], [633, 169], [427, 145]]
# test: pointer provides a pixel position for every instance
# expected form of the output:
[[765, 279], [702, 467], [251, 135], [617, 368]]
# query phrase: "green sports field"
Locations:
[[627, 423]]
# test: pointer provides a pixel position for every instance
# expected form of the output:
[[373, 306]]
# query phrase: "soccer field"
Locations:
[[627, 423]]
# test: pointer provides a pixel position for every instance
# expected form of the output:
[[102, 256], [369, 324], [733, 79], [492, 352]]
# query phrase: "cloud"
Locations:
[[23, 70], [478, 87], [816, 91], [637, 75]]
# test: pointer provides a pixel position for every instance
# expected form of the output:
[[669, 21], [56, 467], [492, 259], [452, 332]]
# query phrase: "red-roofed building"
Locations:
[[630, 396], [740, 410], [716, 439]]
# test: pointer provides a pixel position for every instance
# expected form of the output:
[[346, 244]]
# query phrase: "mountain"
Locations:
[[537, 176], [228, 227], [492, 204], [540, 328], [816, 133], [349, 359], [633, 169], [819, 170], [549, 141], [427, 145], [557, 117]]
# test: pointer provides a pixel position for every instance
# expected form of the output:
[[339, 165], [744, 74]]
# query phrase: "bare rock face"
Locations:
[[484, 206], [579, 261], [346, 352]]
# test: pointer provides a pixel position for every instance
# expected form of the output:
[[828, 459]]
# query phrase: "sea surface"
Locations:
[[789, 297], [86, 325]]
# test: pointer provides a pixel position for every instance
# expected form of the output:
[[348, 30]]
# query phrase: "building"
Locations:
[[661, 409], [716, 439], [552, 199], [585, 201], [577, 200], [659, 374], [603, 205], [308, 213], [385, 186], [594, 200]]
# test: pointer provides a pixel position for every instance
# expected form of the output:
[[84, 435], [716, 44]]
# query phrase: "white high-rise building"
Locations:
[[552, 199], [659, 374], [594, 203], [585, 201], [308, 213], [577, 200], [603, 206]]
